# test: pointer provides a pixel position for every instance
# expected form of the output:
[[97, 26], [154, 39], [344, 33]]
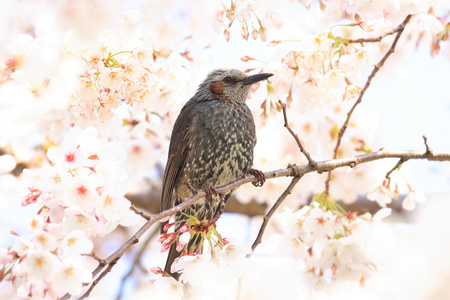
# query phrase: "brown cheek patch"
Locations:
[[216, 89]]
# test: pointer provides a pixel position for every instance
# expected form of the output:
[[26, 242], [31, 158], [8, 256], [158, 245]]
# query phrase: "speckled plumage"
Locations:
[[212, 143], [221, 150]]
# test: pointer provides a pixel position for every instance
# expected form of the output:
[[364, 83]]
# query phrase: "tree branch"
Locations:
[[138, 212], [379, 38], [136, 262], [148, 201], [272, 210], [399, 31], [97, 280], [295, 136], [291, 171], [399, 163]]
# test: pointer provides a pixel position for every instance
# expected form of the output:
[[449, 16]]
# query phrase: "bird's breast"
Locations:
[[222, 145]]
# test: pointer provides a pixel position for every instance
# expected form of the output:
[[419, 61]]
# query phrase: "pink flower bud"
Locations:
[[162, 237], [157, 270], [184, 228], [246, 58], [164, 219], [227, 35], [244, 31], [165, 247], [167, 226], [171, 237], [263, 33], [254, 34], [180, 247]]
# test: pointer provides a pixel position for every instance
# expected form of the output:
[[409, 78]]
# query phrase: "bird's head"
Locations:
[[230, 84]]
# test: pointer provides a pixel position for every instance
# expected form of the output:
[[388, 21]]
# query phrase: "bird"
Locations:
[[211, 145]]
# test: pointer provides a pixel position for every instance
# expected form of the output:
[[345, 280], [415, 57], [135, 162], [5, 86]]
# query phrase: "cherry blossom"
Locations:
[[382, 195], [45, 241], [76, 242], [69, 278], [411, 199], [40, 264]]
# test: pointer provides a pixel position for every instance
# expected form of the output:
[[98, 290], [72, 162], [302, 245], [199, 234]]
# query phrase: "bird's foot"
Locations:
[[209, 190], [259, 176]]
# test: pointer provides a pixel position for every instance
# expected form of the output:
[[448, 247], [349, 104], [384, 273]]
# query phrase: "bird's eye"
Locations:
[[227, 80]]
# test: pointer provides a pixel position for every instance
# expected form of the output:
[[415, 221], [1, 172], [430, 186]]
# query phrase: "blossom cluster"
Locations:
[[333, 247], [110, 78], [384, 195], [320, 75], [242, 11], [323, 68], [324, 248], [190, 235], [227, 264], [77, 198]]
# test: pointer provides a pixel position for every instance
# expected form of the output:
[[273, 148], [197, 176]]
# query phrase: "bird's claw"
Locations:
[[259, 176], [209, 191]]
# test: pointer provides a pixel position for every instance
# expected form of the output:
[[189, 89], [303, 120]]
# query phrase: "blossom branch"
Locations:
[[403, 160], [397, 165], [291, 171], [136, 262], [141, 213], [97, 280], [399, 28], [272, 210], [295, 136], [399, 31]]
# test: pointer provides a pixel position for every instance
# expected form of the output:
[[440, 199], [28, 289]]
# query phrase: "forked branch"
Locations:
[[399, 31]]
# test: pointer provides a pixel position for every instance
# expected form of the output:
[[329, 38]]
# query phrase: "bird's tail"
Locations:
[[173, 254], [194, 245]]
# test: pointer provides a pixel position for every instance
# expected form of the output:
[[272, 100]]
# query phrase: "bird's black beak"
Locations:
[[255, 78]]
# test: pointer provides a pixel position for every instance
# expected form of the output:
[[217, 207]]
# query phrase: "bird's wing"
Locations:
[[178, 152]]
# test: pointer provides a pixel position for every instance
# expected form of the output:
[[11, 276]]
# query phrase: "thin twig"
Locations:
[[399, 31], [425, 140], [399, 163], [295, 136], [274, 208], [97, 280], [379, 38], [136, 261], [377, 67], [101, 261], [291, 171], [139, 212]]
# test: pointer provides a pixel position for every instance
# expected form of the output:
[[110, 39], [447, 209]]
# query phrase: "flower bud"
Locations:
[[227, 35], [263, 33]]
